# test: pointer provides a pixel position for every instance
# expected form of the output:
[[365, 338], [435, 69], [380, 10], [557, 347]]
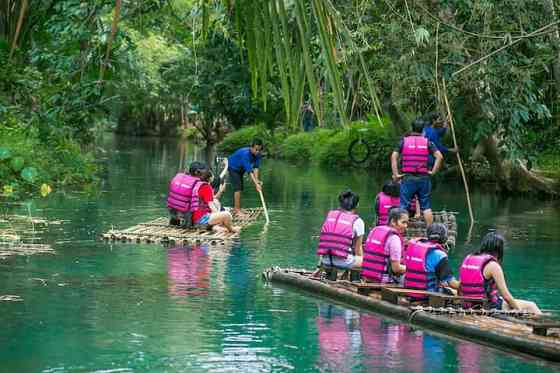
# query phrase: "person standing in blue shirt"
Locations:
[[435, 131], [244, 160]]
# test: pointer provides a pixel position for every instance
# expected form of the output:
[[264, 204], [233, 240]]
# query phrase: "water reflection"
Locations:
[[188, 269]]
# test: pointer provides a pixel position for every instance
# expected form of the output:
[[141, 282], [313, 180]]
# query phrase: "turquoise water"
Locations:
[[95, 306]]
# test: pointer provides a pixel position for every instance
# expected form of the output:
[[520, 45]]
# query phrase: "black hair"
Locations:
[[437, 232], [348, 200], [493, 244], [256, 141], [418, 125], [391, 188], [395, 214], [205, 174], [431, 117], [197, 168]]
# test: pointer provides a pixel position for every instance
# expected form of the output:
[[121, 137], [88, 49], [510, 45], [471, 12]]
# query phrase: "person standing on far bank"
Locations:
[[414, 151], [244, 160]]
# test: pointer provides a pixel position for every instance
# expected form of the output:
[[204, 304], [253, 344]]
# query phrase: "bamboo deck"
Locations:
[[159, 231], [517, 335], [417, 227]]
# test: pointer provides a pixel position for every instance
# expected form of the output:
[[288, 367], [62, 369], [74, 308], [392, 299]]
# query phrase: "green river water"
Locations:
[[95, 306]]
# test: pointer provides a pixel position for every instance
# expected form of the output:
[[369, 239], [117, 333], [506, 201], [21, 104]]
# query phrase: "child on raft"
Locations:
[[340, 241], [384, 250], [481, 276]]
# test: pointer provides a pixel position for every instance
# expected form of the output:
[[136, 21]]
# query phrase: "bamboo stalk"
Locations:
[[22, 11], [450, 116], [114, 25], [264, 207]]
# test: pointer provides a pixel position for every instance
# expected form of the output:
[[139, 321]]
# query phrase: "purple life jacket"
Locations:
[[385, 203], [196, 202], [416, 276], [415, 155], [376, 266], [181, 192], [473, 283], [337, 234]]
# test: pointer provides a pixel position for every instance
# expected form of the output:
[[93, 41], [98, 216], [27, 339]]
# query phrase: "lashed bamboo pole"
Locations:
[[451, 122]]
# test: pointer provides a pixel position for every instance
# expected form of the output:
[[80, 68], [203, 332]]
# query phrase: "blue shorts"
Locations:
[[345, 263], [203, 220], [416, 185]]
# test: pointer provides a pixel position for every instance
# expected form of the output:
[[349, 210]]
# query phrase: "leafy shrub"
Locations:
[[304, 146], [238, 139]]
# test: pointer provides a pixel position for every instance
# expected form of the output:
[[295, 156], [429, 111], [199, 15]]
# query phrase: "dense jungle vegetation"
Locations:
[[207, 69]]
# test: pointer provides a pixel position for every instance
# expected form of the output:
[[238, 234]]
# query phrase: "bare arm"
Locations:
[[397, 267], [358, 249], [394, 166], [437, 164], [255, 178], [494, 270]]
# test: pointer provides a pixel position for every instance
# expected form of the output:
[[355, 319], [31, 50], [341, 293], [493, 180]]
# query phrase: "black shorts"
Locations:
[[236, 180]]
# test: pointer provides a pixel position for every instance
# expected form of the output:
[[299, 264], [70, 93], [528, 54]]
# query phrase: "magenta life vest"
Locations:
[[384, 204], [181, 192], [416, 276], [473, 283], [376, 265], [415, 155], [337, 234], [196, 202]]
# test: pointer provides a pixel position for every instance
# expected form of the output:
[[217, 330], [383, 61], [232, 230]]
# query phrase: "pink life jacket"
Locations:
[[473, 283], [181, 192], [416, 276], [196, 202], [337, 234], [377, 264], [385, 203], [415, 155]]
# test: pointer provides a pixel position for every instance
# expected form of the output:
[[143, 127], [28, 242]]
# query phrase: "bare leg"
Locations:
[[428, 217], [237, 202], [222, 218], [358, 262]]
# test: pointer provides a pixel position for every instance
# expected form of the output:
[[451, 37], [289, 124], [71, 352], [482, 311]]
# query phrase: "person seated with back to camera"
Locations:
[[384, 250], [481, 276], [427, 264], [340, 241]]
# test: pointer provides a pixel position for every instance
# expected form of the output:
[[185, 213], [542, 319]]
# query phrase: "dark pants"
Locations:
[[236, 179]]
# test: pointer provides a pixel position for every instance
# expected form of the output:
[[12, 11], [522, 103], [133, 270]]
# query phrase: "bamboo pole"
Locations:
[[264, 207], [450, 116], [22, 11]]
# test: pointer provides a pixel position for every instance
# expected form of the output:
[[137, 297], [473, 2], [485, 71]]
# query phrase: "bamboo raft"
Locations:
[[512, 331], [159, 231], [417, 227]]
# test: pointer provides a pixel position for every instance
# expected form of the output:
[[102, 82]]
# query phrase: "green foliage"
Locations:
[[305, 146], [241, 138]]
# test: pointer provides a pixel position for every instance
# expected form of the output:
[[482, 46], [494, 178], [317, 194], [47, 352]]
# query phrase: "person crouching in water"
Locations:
[[384, 249], [205, 210], [481, 276], [427, 265], [340, 242]]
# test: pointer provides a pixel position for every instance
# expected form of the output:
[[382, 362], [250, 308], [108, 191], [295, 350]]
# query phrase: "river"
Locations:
[[96, 306]]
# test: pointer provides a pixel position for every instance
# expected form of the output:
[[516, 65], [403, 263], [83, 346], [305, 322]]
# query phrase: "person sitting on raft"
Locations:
[[205, 211], [389, 198], [340, 242], [427, 265], [384, 248], [248, 160], [179, 199], [481, 276], [414, 151]]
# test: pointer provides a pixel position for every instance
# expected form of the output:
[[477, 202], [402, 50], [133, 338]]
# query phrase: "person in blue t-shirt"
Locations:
[[437, 262], [248, 160], [435, 131]]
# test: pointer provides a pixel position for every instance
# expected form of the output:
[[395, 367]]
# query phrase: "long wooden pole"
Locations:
[[451, 122], [264, 207]]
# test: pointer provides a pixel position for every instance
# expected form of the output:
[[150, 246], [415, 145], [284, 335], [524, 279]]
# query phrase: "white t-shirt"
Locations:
[[358, 229]]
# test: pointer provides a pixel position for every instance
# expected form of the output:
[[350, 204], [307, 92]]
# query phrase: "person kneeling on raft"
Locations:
[[481, 276], [427, 265], [207, 211], [414, 151], [384, 248], [340, 242], [389, 198]]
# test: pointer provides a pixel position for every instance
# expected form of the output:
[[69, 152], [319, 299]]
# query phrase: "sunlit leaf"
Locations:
[[45, 190], [29, 174]]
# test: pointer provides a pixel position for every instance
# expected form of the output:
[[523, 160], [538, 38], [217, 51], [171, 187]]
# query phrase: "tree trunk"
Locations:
[[22, 11], [389, 107], [555, 44], [116, 15]]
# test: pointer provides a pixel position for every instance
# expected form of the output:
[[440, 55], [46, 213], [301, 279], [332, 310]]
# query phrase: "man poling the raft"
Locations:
[[244, 160], [414, 151], [481, 276], [383, 250], [427, 265]]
